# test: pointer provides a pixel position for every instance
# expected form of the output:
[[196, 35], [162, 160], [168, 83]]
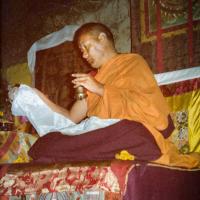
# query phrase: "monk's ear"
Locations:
[[102, 36]]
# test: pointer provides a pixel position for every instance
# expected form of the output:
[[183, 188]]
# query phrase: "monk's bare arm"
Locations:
[[77, 112]]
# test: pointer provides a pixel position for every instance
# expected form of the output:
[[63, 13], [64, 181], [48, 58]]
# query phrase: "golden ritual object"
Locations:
[[80, 93]]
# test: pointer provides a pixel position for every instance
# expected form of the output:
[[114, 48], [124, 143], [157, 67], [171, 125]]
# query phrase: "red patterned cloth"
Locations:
[[180, 87], [27, 179]]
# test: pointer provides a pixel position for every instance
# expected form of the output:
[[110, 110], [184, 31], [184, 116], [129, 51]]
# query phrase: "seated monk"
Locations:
[[123, 88]]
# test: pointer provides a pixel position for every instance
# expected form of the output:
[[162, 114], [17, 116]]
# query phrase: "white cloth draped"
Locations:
[[27, 103]]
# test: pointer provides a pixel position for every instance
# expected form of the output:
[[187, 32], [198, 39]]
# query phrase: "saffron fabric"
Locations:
[[183, 99], [131, 92], [185, 114], [194, 122]]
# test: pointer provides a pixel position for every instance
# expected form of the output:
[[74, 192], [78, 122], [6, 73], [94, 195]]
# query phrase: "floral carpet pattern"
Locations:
[[77, 180]]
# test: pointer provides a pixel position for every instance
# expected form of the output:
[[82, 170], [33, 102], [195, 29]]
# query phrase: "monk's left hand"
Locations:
[[89, 82]]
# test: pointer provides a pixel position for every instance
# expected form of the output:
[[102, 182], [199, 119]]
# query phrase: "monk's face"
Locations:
[[92, 50]]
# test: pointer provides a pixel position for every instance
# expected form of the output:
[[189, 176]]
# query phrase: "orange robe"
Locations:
[[131, 92]]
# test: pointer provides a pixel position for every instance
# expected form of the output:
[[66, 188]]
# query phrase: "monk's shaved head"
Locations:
[[93, 29]]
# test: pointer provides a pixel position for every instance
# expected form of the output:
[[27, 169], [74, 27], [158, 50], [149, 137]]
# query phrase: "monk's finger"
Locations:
[[76, 85], [79, 75], [79, 80]]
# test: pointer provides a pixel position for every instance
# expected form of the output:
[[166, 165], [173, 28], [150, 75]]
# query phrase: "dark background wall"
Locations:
[[25, 21]]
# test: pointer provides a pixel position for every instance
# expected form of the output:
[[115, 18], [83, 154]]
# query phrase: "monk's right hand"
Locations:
[[89, 82]]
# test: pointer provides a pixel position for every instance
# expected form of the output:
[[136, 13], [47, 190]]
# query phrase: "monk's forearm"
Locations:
[[53, 106], [76, 113]]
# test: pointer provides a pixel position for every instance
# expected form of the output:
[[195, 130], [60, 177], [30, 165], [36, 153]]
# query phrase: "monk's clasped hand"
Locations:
[[87, 81]]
